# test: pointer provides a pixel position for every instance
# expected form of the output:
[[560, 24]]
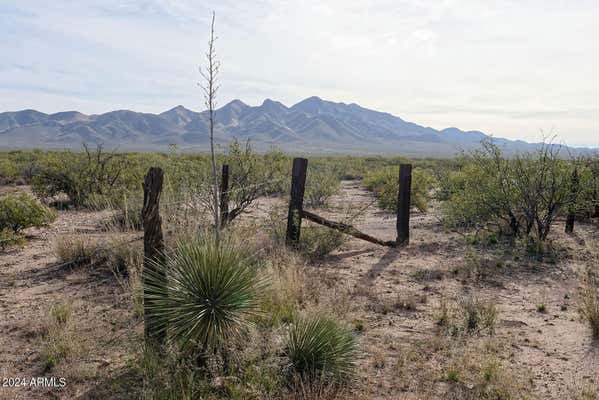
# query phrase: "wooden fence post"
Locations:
[[403, 204], [571, 209], [153, 246], [298, 185], [224, 196]]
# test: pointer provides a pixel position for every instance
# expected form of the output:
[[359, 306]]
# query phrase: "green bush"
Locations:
[[9, 172], [318, 241], [384, 183], [519, 196], [86, 178], [208, 294], [18, 212], [9, 238], [321, 184], [318, 347]]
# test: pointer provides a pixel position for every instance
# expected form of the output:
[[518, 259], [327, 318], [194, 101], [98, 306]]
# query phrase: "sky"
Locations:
[[515, 69]]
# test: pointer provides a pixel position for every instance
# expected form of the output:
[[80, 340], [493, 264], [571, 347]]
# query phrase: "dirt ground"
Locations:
[[392, 296]]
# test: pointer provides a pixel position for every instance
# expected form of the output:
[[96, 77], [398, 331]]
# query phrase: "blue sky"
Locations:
[[509, 68]]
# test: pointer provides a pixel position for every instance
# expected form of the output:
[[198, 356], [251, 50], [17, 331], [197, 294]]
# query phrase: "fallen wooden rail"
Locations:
[[345, 228]]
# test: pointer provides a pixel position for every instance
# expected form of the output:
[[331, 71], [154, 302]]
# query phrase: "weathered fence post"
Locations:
[[153, 246], [224, 196], [572, 207], [403, 204], [298, 185]]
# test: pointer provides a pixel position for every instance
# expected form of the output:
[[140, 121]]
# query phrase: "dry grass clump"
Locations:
[[470, 315], [477, 374], [586, 393], [284, 296], [478, 269], [406, 301], [75, 249], [59, 342], [589, 308]]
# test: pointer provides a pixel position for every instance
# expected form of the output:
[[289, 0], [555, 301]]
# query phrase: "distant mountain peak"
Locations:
[[312, 125], [236, 103]]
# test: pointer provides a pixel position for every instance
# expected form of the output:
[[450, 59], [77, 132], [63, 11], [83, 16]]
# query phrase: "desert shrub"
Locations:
[[519, 196], [9, 238], [318, 347], [385, 184], [321, 184], [318, 241], [9, 172], [251, 176], [203, 293], [18, 212], [83, 177]]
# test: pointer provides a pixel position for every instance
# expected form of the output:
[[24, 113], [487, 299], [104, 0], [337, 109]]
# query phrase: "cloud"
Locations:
[[509, 68]]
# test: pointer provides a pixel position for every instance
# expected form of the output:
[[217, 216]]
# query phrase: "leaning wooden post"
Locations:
[[153, 250], [572, 207], [298, 185], [403, 204], [224, 196]]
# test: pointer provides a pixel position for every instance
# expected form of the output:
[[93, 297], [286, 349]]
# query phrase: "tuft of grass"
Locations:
[[541, 308], [61, 313], [318, 347], [283, 296], [479, 315], [586, 393], [589, 309], [479, 375], [58, 341], [427, 275], [9, 238], [468, 316], [76, 249]]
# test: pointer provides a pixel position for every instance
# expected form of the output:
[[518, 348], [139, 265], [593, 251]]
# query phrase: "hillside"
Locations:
[[313, 125]]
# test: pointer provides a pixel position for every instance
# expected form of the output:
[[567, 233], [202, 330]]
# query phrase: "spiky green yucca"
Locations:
[[319, 347], [202, 293]]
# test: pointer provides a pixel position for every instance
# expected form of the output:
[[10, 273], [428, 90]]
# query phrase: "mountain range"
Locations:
[[311, 126]]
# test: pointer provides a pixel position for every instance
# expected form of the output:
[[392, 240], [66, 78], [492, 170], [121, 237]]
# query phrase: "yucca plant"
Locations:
[[202, 293], [319, 348]]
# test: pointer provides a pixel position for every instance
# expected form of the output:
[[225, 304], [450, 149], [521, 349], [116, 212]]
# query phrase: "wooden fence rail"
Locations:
[[345, 228], [296, 211]]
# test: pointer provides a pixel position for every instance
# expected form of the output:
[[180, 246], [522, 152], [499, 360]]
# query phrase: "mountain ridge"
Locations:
[[312, 125]]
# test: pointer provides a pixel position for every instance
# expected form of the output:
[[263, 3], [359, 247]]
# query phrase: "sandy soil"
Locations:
[[404, 353]]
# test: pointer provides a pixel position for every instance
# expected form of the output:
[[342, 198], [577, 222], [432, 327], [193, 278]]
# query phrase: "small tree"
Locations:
[[80, 176], [210, 87], [520, 196]]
